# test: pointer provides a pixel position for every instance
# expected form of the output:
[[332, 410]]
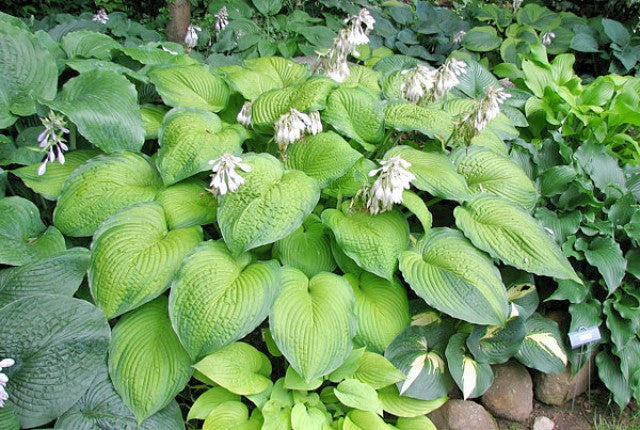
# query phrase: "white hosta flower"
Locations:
[[548, 37], [517, 4], [244, 116], [315, 125], [457, 38], [292, 125], [101, 16], [52, 140], [191, 38], [4, 379], [419, 81], [222, 20], [388, 188], [447, 76], [165, 49], [488, 109], [225, 179]]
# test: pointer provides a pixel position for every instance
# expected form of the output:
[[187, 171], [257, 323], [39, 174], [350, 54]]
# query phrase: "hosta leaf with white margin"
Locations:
[[271, 204], [363, 420], [543, 348], [522, 291], [102, 408], [357, 114], [613, 378], [358, 395], [50, 184], [239, 367], [101, 187], [135, 256], [104, 107], [507, 232], [217, 299], [307, 249], [189, 138], [434, 173], [28, 72], [473, 378], [208, 400], [487, 171], [88, 44], [324, 157], [364, 77], [382, 309], [59, 274], [23, 237], [58, 344], [405, 116], [451, 275], [404, 406], [373, 242], [187, 203], [259, 75], [377, 371], [190, 86], [152, 116], [147, 363], [496, 344], [313, 321], [231, 415]]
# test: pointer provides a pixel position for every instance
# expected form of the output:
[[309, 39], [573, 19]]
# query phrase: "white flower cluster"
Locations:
[[291, 126], [388, 188], [447, 76], [457, 38], [225, 178], [191, 38], [548, 37], [487, 110], [517, 4], [4, 396], [222, 20], [244, 116], [334, 62], [101, 16], [422, 81], [52, 140]]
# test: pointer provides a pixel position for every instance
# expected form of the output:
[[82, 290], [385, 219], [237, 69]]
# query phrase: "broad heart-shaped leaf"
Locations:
[[543, 348], [481, 39], [134, 257], [496, 344], [373, 242], [259, 75], [358, 395], [231, 415], [239, 367], [487, 171], [208, 400], [382, 308], [104, 107], [217, 299], [377, 371], [88, 44], [102, 408], [307, 249], [313, 321], [187, 203], [472, 378], [58, 344], [357, 114], [408, 407], [451, 275], [189, 138], [23, 237], [404, 116], [192, 86], [361, 420], [324, 157], [59, 274], [101, 187], [507, 232], [147, 363], [434, 173], [270, 205]]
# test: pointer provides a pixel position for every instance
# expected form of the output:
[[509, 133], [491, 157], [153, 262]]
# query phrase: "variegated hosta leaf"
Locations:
[[187, 203], [509, 233], [359, 395], [408, 407], [101, 187], [307, 249], [147, 363], [486, 171], [373, 242], [525, 295], [217, 299], [324, 157], [135, 257], [190, 86], [404, 116], [434, 173], [271, 204], [496, 344], [382, 308], [451, 275], [543, 348], [472, 377], [377, 371], [189, 138], [313, 321]]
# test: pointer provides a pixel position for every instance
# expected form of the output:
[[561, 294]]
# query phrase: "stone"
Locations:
[[543, 423], [462, 415], [511, 394], [561, 388]]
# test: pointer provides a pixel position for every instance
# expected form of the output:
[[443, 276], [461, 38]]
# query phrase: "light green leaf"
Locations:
[[472, 378], [307, 418], [187, 203], [88, 44], [364, 77], [190, 86], [403, 406], [377, 371], [362, 420], [415, 423], [418, 207], [154, 53], [358, 395], [542, 348], [348, 366], [208, 400], [229, 415], [404, 116], [152, 116], [481, 39], [293, 381]]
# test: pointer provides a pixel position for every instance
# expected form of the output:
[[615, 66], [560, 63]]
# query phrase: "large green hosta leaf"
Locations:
[[192, 86], [88, 44], [382, 309], [271, 204], [259, 75], [313, 321], [217, 299], [104, 107], [147, 363], [101, 187], [434, 173], [187, 203], [23, 236], [373, 242], [135, 257], [189, 138], [472, 378], [508, 232], [451, 275], [58, 344], [403, 116], [542, 348]]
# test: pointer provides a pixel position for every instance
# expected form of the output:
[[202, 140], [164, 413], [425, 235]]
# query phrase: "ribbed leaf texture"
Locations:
[[404, 116]]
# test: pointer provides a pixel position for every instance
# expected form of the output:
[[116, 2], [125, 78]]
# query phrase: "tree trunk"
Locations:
[[180, 12]]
